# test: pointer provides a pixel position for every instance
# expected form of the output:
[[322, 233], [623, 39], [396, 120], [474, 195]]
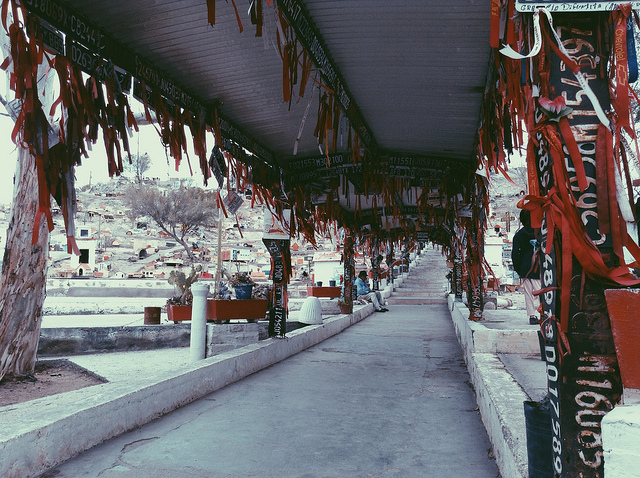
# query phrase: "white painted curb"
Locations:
[[500, 398]]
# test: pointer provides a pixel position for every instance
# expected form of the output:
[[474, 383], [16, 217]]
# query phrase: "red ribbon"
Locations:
[[621, 68]]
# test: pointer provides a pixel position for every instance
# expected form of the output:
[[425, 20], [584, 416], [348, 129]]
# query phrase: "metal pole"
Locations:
[[219, 265]]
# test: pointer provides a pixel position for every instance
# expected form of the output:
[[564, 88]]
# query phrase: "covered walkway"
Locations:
[[390, 396]]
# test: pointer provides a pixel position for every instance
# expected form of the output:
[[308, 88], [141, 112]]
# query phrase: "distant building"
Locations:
[[87, 245], [327, 266], [62, 272], [173, 262], [83, 270]]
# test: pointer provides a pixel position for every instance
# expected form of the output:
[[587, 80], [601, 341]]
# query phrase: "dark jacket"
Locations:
[[522, 255]]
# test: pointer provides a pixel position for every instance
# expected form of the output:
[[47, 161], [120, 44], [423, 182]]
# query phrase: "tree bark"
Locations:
[[24, 271]]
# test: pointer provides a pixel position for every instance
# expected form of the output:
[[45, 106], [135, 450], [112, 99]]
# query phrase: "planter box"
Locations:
[[346, 309], [220, 310], [178, 313], [623, 305], [331, 292]]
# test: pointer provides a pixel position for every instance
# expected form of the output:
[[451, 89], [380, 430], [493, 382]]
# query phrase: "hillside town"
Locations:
[[114, 244]]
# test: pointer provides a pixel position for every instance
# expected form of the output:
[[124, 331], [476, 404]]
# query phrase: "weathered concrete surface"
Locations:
[[621, 441], [224, 337], [37, 435], [499, 396], [81, 340], [388, 397], [494, 335]]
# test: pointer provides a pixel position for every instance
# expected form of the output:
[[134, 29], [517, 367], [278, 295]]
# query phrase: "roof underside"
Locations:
[[414, 71]]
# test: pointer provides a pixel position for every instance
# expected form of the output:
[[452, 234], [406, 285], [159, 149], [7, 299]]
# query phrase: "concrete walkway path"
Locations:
[[388, 397]]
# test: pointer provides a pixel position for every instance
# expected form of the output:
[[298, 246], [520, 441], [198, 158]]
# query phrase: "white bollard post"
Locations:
[[198, 343]]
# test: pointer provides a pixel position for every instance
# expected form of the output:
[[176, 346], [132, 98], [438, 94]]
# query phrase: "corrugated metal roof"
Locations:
[[416, 69]]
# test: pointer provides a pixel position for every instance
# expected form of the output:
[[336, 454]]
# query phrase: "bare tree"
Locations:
[[178, 212], [140, 164], [520, 177]]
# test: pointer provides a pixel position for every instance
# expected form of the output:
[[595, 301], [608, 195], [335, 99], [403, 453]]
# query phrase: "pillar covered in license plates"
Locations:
[[349, 291], [280, 273], [276, 239], [472, 216], [576, 88], [457, 271], [376, 260]]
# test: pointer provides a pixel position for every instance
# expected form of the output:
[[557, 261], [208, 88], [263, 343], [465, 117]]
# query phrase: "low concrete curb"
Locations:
[[478, 338], [81, 340], [99, 306], [620, 438], [43, 433], [500, 398]]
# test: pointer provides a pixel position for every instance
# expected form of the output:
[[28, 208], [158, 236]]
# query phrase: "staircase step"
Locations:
[[416, 300], [418, 293]]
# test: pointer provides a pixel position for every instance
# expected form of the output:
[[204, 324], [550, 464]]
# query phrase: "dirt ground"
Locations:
[[50, 377]]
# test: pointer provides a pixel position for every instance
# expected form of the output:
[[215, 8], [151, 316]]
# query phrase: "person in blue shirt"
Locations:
[[365, 292]]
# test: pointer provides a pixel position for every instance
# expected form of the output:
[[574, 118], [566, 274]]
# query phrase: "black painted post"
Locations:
[[457, 272], [389, 260], [582, 371], [375, 268], [280, 272], [475, 297], [349, 291]]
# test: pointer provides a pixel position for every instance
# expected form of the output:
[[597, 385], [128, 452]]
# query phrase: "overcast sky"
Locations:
[[95, 167]]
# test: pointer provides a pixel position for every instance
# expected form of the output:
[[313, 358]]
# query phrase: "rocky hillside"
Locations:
[[114, 244]]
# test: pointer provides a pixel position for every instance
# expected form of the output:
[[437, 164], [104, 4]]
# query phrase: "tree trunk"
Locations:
[[24, 270], [188, 249]]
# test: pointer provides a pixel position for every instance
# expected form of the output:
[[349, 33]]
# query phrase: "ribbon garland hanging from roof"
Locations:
[[86, 107], [527, 76]]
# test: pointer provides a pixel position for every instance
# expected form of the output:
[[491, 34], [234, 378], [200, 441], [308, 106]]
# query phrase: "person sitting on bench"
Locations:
[[365, 292]]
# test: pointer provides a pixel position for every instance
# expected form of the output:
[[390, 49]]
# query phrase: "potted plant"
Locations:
[[179, 306], [222, 308], [344, 307], [242, 284]]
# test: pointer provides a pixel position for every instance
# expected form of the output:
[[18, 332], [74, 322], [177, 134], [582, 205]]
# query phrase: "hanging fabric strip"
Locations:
[[620, 16], [211, 12], [233, 2], [574, 152], [602, 182], [632, 59], [508, 51]]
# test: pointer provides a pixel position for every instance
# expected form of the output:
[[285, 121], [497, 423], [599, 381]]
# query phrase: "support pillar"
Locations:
[[350, 293], [582, 371], [280, 272], [198, 340], [457, 272], [475, 296], [375, 269], [389, 261]]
